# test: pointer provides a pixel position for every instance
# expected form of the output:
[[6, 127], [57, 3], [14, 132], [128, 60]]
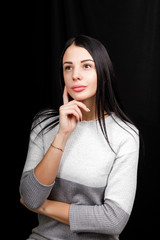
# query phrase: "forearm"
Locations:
[[46, 170], [106, 219], [56, 210]]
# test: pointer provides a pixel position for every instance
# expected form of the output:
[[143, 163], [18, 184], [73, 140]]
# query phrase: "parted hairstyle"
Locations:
[[107, 99]]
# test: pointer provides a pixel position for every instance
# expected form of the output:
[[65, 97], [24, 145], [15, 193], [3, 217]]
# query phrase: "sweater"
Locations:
[[99, 183]]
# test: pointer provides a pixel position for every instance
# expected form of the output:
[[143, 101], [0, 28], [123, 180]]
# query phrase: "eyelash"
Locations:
[[67, 67], [86, 66]]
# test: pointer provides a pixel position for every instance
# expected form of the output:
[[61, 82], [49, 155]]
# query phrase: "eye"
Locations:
[[87, 66], [68, 68]]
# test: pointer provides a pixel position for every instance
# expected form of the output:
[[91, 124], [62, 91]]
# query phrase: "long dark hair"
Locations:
[[106, 95]]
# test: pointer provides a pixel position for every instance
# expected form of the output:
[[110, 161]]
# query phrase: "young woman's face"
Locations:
[[79, 73]]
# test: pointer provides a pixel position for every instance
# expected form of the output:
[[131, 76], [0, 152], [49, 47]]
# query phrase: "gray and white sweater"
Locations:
[[99, 184]]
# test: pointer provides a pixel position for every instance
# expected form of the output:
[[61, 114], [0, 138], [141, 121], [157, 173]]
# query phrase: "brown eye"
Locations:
[[87, 66], [68, 68]]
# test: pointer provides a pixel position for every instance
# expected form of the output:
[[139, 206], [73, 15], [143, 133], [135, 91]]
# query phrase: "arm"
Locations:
[[47, 168], [70, 114], [53, 209], [38, 177], [36, 183], [112, 216]]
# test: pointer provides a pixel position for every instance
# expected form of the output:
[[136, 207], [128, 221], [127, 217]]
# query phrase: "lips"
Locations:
[[78, 88]]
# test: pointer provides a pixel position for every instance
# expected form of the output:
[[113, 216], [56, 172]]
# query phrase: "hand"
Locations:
[[70, 114]]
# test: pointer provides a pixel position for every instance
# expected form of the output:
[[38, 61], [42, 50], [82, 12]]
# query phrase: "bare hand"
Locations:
[[70, 113]]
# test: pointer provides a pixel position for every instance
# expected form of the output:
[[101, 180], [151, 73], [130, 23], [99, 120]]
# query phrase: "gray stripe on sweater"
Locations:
[[91, 217]]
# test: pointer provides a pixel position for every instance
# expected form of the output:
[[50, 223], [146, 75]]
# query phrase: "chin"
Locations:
[[82, 96], [79, 97]]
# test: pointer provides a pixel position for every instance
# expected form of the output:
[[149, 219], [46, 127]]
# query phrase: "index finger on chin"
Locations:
[[65, 96]]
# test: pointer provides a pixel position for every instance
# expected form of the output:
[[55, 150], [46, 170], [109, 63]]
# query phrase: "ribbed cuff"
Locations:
[[33, 192]]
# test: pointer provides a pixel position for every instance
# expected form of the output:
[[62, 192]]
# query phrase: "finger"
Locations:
[[67, 108], [73, 112], [65, 96], [81, 105], [77, 109]]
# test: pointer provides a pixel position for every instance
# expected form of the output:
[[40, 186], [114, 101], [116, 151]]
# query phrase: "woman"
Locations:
[[81, 168]]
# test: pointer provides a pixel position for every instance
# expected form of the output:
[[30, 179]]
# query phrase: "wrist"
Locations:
[[60, 140]]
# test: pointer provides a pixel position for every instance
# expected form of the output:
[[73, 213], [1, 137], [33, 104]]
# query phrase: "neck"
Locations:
[[91, 104]]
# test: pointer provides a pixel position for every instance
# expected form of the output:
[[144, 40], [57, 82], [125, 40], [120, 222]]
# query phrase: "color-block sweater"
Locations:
[[99, 183]]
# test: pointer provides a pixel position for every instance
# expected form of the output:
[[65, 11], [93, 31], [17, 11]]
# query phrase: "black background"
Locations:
[[130, 31]]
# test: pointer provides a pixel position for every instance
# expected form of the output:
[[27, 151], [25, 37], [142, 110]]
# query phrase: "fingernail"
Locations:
[[88, 110]]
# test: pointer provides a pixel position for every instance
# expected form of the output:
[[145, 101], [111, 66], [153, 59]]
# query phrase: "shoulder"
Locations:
[[122, 132]]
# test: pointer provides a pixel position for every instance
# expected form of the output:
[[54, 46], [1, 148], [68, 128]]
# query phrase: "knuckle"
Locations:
[[75, 102]]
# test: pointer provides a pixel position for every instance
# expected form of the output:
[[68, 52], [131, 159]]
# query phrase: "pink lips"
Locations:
[[78, 88]]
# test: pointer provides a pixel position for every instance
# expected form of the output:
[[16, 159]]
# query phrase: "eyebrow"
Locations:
[[86, 60]]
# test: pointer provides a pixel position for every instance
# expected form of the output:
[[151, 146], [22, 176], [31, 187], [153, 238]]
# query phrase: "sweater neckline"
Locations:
[[94, 121]]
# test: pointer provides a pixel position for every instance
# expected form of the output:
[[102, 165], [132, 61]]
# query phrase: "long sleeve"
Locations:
[[112, 216], [99, 184], [32, 191]]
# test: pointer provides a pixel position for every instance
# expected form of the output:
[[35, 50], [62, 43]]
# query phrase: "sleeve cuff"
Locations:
[[33, 192], [77, 219]]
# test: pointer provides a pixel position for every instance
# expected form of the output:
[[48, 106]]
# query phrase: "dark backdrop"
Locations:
[[130, 31]]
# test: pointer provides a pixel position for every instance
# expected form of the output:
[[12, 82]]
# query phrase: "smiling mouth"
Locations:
[[78, 88]]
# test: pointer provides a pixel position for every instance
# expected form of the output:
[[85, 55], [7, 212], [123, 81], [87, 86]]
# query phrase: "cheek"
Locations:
[[93, 83], [66, 80], [67, 83]]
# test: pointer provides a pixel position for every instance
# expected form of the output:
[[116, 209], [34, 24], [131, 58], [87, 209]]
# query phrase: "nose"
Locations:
[[76, 74]]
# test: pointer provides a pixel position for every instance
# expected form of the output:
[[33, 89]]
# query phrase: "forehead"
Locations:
[[76, 54]]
